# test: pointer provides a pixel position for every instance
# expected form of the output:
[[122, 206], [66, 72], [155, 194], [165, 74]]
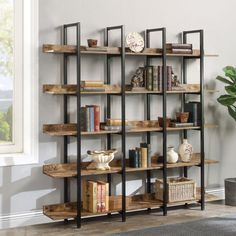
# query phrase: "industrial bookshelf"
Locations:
[[73, 210]]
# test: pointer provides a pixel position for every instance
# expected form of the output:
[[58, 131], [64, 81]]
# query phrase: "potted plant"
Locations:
[[229, 100]]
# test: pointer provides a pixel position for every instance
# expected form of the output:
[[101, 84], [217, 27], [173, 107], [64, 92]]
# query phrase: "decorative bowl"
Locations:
[[102, 158]]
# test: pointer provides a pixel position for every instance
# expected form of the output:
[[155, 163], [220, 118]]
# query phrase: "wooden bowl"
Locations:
[[92, 43], [182, 117], [160, 121]]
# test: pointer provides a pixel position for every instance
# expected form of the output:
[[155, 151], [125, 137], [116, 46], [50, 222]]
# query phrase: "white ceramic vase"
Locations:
[[172, 156], [185, 151], [102, 161]]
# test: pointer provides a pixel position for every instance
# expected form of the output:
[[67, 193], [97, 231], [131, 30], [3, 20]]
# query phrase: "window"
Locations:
[[18, 81]]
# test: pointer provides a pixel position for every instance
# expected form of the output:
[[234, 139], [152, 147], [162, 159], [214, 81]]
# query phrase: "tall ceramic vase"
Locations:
[[172, 156], [185, 151]]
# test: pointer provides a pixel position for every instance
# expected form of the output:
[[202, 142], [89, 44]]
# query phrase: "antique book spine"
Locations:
[[84, 195], [104, 193], [99, 197], [169, 78], [91, 83], [144, 157], [83, 119], [92, 196], [148, 146], [149, 77], [107, 197], [155, 79], [133, 158], [179, 51], [159, 71], [91, 117], [88, 124], [96, 118]]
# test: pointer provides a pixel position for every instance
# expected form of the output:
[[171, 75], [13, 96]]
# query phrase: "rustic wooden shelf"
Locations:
[[71, 129], [70, 169], [138, 202], [71, 49]]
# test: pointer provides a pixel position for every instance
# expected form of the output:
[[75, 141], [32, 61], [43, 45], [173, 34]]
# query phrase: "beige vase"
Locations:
[[185, 151]]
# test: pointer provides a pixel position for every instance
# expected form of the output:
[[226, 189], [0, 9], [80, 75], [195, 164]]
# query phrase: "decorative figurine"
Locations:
[[102, 158]]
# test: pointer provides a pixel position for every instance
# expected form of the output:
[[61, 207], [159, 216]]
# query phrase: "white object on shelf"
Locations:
[[185, 151]]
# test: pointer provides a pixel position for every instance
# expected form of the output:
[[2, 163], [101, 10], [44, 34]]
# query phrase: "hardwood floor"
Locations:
[[114, 224]]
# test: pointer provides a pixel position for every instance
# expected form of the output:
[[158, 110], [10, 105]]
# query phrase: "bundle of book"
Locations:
[[92, 86], [90, 118], [95, 196], [151, 77], [179, 48], [115, 125], [140, 157]]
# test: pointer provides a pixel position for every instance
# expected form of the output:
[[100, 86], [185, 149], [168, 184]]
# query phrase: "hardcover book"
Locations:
[[155, 78], [149, 77]]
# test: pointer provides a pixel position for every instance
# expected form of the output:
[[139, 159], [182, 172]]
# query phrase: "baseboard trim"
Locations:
[[37, 216]]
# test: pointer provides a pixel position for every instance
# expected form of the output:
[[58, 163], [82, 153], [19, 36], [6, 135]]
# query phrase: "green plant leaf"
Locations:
[[230, 72], [232, 112], [226, 100], [224, 80], [231, 90]]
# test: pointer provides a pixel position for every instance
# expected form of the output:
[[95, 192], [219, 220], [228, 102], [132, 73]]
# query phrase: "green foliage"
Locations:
[[6, 38], [229, 99], [6, 125]]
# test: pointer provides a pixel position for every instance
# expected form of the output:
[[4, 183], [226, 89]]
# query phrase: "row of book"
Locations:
[[153, 77], [179, 48], [95, 196], [92, 86], [90, 118], [140, 157]]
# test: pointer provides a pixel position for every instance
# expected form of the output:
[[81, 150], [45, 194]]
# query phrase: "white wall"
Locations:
[[25, 188]]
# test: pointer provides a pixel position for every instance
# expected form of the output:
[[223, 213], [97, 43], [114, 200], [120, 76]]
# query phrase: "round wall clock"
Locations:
[[135, 42]]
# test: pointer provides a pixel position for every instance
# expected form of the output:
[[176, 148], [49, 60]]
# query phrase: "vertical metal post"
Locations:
[[183, 96], [202, 119], [78, 67], [148, 113], [123, 123], [108, 78], [164, 86], [65, 110]]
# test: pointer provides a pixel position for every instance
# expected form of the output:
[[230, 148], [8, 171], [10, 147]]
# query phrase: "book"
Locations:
[[99, 197], [104, 198], [176, 124], [148, 146], [144, 153], [179, 46], [93, 89], [169, 78], [149, 77], [159, 82], [83, 120], [89, 196], [155, 78], [115, 122], [96, 118], [194, 109], [90, 120], [133, 158], [179, 51], [91, 83]]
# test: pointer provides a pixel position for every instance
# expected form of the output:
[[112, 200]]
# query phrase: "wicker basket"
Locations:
[[178, 189]]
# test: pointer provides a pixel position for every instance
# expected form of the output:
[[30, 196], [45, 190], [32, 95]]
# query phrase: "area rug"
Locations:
[[217, 226]]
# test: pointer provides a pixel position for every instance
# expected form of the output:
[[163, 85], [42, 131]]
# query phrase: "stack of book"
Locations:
[[154, 77], [95, 196], [92, 86], [179, 48], [90, 118], [114, 125], [140, 157]]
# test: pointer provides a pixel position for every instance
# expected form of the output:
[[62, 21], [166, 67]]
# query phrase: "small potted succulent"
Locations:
[[229, 100]]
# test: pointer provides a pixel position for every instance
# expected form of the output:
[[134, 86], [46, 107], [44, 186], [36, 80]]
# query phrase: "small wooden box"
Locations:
[[178, 189], [115, 202]]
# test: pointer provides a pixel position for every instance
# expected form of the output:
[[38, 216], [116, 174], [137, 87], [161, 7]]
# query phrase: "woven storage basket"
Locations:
[[178, 189]]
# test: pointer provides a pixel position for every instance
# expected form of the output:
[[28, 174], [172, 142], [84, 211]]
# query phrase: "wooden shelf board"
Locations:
[[71, 49], [69, 170], [70, 130], [138, 202]]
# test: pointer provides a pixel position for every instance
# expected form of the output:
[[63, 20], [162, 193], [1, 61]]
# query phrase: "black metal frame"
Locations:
[[123, 115], [202, 153], [123, 131]]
